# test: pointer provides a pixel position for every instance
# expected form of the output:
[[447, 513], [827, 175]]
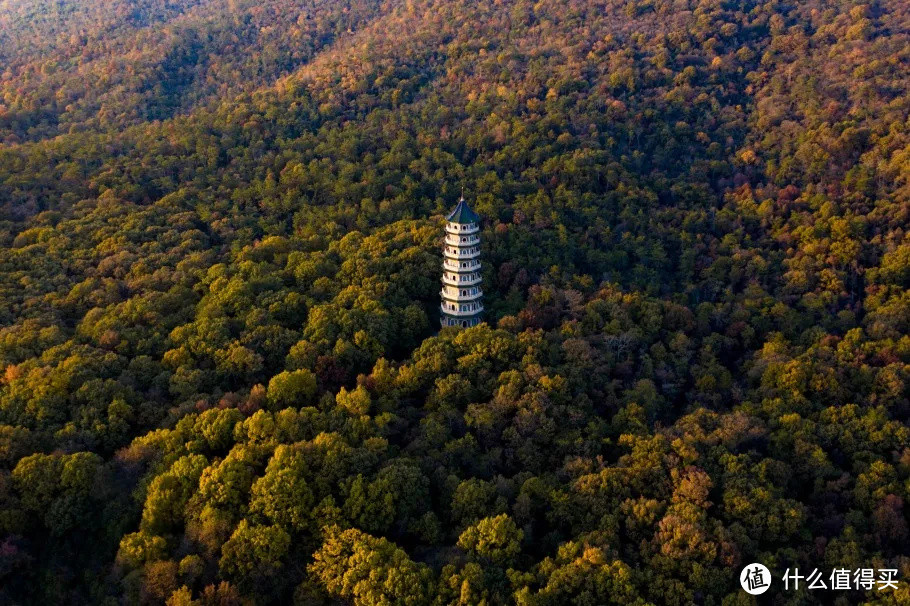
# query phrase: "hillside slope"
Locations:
[[105, 65], [219, 264]]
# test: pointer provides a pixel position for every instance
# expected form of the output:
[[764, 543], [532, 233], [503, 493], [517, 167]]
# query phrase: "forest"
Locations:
[[222, 377]]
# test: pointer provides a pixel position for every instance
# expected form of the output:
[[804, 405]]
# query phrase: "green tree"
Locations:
[[496, 540], [291, 388], [367, 570]]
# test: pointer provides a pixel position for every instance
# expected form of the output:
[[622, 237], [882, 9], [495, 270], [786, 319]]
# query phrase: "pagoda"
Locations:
[[462, 298]]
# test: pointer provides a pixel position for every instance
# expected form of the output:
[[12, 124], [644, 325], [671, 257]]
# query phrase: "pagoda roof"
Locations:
[[463, 214]]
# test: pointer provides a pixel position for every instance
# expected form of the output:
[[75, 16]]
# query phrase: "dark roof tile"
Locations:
[[463, 214]]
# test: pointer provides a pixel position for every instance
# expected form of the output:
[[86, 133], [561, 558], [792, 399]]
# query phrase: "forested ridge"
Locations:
[[221, 375]]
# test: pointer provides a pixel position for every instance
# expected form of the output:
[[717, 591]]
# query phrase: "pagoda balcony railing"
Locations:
[[462, 240], [457, 253], [470, 265], [460, 297], [469, 228], [450, 282], [478, 307]]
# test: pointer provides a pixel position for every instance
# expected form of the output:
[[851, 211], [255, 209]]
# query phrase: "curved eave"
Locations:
[[461, 314], [463, 214]]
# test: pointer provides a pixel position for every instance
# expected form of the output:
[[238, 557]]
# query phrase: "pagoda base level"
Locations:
[[460, 322]]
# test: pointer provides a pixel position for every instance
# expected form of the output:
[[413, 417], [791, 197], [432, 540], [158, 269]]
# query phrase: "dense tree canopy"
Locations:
[[221, 379]]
